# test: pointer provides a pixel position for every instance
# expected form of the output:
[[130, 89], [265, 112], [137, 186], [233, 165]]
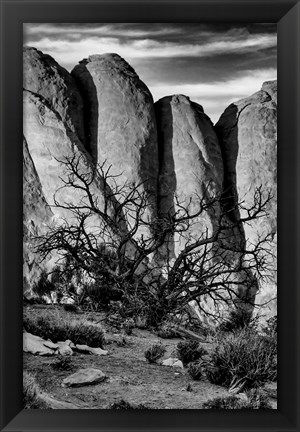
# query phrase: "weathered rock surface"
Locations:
[[37, 216], [191, 165], [84, 377], [44, 76], [64, 348], [120, 122], [37, 345], [174, 362], [247, 132]]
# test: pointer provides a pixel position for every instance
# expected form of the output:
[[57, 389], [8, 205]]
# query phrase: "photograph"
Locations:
[[150, 216]]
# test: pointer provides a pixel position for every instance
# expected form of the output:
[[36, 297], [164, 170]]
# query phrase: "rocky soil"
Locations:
[[123, 374]]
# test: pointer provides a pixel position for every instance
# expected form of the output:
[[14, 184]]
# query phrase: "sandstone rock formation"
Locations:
[[191, 165], [103, 113], [44, 76], [120, 122], [247, 131]]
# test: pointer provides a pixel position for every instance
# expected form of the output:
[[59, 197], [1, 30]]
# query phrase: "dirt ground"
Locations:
[[130, 376]]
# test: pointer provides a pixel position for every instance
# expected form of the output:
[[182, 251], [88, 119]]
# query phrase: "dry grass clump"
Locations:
[[154, 353], [243, 355], [190, 351], [55, 326]]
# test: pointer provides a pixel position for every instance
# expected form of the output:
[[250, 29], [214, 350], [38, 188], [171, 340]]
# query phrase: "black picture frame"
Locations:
[[286, 13]]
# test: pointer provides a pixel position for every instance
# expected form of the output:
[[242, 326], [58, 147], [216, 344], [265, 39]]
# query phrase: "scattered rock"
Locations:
[[64, 348], [84, 377], [90, 350], [174, 362], [36, 345]]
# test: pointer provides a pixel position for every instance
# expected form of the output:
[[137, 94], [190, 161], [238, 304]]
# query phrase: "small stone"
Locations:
[[84, 377]]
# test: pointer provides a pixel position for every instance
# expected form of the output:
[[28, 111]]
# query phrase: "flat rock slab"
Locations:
[[84, 377], [38, 346], [90, 350]]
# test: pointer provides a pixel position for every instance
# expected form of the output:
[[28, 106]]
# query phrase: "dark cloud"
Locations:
[[171, 55]]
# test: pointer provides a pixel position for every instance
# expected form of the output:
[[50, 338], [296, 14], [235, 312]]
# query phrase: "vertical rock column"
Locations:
[[247, 132], [120, 124], [191, 165]]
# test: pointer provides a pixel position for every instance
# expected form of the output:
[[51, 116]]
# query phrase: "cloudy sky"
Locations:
[[213, 64]]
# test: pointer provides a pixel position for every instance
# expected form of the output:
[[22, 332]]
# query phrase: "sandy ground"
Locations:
[[130, 376]]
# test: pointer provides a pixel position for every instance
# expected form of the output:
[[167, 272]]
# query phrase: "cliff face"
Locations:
[[247, 132], [102, 113], [37, 217]]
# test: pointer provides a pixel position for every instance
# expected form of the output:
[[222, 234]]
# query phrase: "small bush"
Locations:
[[63, 363], [124, 405], [154, 353], [190, 351], [234, 402], [54, 326], [31, 393], [195, 370], [237, 319], [243, 354]]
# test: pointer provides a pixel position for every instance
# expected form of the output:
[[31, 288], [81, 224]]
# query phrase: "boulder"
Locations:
[[174, 362], [247, 131], [44, 76], [90, 350], [84, 377], [121, 125], [38, 346]]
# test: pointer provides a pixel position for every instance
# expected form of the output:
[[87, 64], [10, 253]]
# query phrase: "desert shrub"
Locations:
[[243, 354], [234, 402], [63, 363], [154, 353], [54, 326], [237, 319], [122, 404], [31, 393], [195, 370], [190, 351]]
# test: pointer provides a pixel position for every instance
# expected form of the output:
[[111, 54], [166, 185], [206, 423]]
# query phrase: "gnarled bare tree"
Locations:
[[113, 239]]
